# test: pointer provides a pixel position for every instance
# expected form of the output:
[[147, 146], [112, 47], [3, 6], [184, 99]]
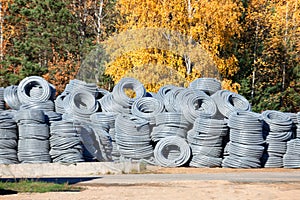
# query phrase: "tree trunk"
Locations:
[[1, 31], [255, 61], [99, 21], [285, 46]]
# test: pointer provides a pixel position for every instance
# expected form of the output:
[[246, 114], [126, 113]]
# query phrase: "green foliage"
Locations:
[[42, 28], [267, 54], [254, 44], [52, 38], [25, 186]]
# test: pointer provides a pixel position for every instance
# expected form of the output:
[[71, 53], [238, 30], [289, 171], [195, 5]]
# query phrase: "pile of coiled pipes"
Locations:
[[198, 126], [33, 144], [8, 139], [206, 140], [278, 131], [246, 141], [2, 101]]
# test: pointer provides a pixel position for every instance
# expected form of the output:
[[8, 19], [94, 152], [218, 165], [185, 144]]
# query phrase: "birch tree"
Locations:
[[211, 24]]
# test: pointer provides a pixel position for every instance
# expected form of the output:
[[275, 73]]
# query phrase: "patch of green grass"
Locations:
[[25, 186]]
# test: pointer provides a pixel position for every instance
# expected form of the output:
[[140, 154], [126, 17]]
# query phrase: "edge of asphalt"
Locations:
[[137, 173]]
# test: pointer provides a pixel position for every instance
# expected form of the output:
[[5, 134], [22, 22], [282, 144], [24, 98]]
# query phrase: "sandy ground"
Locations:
[[183, 190], [178, 190]]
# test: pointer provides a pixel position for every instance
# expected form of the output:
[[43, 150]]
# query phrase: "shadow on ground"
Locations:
[[58, 180], [7, 192]]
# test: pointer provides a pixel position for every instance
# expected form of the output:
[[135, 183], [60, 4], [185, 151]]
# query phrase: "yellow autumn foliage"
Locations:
[[174, 42], [276, 23]]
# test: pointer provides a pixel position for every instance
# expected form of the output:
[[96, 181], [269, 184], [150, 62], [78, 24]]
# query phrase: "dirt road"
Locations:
[[182, 183]]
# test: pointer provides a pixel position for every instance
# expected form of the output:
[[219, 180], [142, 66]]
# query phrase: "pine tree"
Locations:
[[44, 27]]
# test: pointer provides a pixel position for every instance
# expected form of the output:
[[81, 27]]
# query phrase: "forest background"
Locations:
[[254, 44]]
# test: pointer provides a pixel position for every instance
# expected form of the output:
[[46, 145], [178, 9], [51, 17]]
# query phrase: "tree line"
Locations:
[[253, 44]]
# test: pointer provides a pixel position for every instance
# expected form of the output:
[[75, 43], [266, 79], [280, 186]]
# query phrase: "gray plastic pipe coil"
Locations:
[[292, 157], [121, 97], [30, 116], [244, 151], [33, 143], [78, 85], [11, 97], [2, 102], [78, 100], [52, 116], [163, 91], [104, 119], [95, 144], [276, 121], [208, 85], [59, 103], [205, 140], [197, 105], [65, 142], [172, 151], [34, 89], [102, 144], [147, 108], [171, 99], [169, 124], [108, 104], [133, 137], [298, 125], [104, 126], [79, 105], [45, 106], [228, 102], [278, 130], [8, 139]]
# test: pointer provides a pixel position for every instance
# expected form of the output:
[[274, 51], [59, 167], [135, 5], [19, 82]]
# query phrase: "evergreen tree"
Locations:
[[44, 27]]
